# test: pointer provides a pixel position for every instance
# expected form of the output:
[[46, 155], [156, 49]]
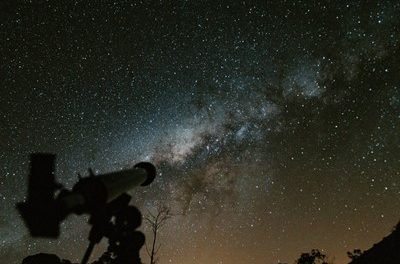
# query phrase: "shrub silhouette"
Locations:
[[314, 257]]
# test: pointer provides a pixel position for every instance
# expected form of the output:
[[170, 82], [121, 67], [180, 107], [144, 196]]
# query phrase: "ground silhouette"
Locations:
[[386, 251], [43, 258]]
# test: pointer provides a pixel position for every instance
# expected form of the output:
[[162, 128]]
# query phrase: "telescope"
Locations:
[[101, 196], [43, 212]]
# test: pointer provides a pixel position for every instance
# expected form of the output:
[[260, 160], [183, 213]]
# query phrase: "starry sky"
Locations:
[[274, 125]]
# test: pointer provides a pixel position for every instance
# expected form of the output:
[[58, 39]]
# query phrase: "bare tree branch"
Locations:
[[147, 250], [156, 222]]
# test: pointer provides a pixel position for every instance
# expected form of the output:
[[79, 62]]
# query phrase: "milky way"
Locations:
[[274, 127]]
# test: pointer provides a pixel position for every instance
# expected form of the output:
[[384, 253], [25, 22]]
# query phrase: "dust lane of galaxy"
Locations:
[[274, 126]]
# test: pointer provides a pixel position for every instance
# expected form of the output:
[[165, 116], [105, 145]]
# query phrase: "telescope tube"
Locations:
[[93, 192]]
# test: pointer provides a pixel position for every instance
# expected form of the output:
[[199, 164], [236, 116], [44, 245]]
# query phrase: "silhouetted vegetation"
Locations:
[[314, 257], [156, 221], [125, 242], [355, 254]]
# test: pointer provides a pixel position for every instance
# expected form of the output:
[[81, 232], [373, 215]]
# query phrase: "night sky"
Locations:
[[274, 125]]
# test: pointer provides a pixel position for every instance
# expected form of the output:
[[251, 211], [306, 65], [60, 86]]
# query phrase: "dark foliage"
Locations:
[[314, 257], [355, 254]]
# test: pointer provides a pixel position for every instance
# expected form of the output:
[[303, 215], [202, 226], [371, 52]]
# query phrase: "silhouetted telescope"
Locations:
[[48, 204]]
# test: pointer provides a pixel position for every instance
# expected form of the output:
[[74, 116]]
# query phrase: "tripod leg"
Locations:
[[87, 253]]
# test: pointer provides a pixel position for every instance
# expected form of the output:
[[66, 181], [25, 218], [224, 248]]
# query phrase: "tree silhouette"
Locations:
[[355, 254], [156, 222], [314, 257]]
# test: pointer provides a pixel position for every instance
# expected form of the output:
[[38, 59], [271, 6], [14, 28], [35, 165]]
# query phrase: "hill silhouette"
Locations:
[[386, 251]]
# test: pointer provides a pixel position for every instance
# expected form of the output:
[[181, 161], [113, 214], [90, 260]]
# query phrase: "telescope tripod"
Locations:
[[117, 222]]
